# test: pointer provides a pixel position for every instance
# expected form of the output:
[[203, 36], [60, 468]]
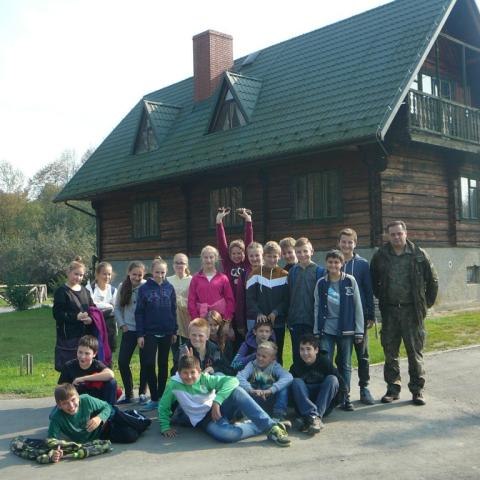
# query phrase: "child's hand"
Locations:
[[174, 339], [245, 214], [261, 318], [56, 455], [272, 317], [370, 323], [82, 316], [78, 381], [87, 320], [209, 370], [256, 393], [140, 342], [358, 339], [170, 433], [216, 413], [222, 212], [267, 393], [93, 424], [124, 328]]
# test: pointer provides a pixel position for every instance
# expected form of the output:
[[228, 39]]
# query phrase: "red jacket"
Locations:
[[204, 295]]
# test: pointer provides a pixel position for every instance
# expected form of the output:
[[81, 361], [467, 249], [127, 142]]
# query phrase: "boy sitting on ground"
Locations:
[[266, 381], [82, 418], [209, 355], [211, 402], [315, 386], [261, 332], [89, 375]]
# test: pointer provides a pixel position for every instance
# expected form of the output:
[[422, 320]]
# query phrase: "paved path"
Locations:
[[398, 441]]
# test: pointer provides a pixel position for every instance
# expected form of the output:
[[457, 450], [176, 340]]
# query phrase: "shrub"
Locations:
[[19, 296]]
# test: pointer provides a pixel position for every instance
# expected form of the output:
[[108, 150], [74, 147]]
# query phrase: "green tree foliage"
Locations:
[[38, 238]]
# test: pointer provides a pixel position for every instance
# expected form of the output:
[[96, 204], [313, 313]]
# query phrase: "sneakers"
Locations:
[[347, 405], [142, 399], [278, 434], [418, 399], [300, 423], [314, 425], [366, 397], [282, 418], [389, 397], [125, 401], [149, 406]]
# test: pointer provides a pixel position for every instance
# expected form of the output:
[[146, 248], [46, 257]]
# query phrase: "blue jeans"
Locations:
[[315, 399], [343, 358], [224, 431], [276, 404], [107, 393]]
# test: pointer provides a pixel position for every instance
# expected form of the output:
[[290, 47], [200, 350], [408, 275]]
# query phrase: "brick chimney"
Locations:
[[212, 55]]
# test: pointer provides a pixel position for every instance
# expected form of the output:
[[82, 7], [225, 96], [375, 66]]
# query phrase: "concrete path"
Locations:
[[398, 441]]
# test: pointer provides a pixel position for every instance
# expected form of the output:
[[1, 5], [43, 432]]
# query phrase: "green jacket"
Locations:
[[196, 400], [424, 280]]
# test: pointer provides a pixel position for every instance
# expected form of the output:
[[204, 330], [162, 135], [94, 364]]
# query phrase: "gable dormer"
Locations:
[[157, 119], [236, 102]]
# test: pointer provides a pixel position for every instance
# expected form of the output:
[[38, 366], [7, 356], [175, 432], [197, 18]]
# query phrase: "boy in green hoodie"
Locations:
[[210, 402]]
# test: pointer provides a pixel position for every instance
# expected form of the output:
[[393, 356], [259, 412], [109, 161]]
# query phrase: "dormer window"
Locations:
[[146, 141], [228, 114]]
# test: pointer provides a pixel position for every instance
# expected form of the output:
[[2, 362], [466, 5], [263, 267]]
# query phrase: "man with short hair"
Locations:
[[405, 282]]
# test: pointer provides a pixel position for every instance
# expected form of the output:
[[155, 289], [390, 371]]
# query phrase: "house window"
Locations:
[[228, 114], [231, 197], [316, 195], [473, 274], [146, 219], [428, 84], [146, 141], [469, 198]]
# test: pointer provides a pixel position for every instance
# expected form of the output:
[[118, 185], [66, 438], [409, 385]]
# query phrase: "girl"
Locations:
[[125, 304], [233, 256], [70, 305], [209, 289], [156, 326], [181, 282], [219, 334], [103, 295]]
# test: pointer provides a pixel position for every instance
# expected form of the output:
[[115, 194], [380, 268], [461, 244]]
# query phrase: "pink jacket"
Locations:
[[230, 269], [214, 295]]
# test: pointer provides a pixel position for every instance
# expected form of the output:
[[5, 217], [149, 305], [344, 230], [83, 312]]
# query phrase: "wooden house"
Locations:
[[370, 119]]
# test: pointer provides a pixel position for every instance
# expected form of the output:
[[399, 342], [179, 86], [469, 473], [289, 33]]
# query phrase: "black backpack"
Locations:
[[133, 419]]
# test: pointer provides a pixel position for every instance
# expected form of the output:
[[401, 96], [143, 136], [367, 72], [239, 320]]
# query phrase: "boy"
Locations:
[[315, 386], [287, 245], [82, 418], [211, 402], [266, 381], [209, 355], [267, 293], [255, 257], [88, 374], [339, 317], [302, 279], [233, 255], [261, 332], [358, 267]]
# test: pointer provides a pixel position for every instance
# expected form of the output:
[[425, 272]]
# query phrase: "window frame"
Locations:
[[232, 107], [146, 236], [338, 207], [151, 140], [470, 216], [231, 222]]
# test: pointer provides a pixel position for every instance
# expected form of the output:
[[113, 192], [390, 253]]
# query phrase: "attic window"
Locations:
[[228, 114], [146, 141]]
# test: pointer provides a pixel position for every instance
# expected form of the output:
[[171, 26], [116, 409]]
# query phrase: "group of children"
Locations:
[[226, 332]]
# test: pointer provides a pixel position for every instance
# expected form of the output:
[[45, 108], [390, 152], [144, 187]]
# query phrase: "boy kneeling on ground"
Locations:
[[211, 402], [315, 386], [89, 375], [82, 418]]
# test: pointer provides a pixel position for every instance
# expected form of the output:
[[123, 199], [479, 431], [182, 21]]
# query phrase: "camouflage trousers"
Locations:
[[400, 323], [41, 450]]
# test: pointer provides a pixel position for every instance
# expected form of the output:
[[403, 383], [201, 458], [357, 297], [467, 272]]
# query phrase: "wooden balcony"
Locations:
[[452, 123]]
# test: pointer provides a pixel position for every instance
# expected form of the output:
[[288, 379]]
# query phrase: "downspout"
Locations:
[[97, 228]]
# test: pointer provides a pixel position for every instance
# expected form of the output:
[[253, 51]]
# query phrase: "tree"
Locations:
[[12, 180]]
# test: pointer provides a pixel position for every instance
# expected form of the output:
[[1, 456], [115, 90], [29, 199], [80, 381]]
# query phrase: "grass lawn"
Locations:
[[34, 332]]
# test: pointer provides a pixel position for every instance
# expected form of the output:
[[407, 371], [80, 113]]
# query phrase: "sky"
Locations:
[[70, 70]]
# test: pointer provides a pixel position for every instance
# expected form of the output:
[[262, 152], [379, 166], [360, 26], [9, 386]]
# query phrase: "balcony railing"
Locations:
[[443, 117]]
